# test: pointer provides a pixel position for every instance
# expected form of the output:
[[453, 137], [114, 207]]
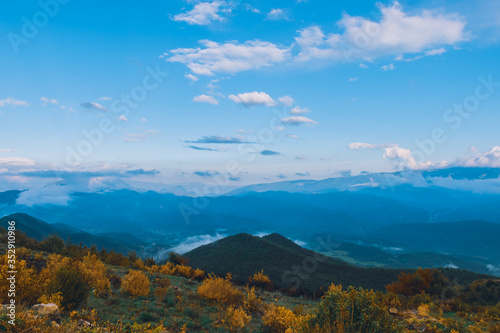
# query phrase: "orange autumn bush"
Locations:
[[136, 283], [236, 319], [95, 272], [27, 281], [221, 290], [259, 279]]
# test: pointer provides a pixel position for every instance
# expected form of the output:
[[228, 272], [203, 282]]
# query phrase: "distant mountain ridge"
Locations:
[[40, 230], [370, 180]]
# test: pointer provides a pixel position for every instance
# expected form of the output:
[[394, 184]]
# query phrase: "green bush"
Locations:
[[352, 311], [190, 312], [70, 281], [145, 317]]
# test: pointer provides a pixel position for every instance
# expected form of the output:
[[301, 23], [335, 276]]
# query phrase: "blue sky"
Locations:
[[256, 91]]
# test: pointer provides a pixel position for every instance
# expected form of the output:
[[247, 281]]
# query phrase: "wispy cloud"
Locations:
[[93, 106], [191, 77], [269, 153], [219, 139], [192, 243], [298, 110], [9, 101], [277, 14], [201, 148], [132, 137], [204, 13], [251, 8], [16, 161], [206, 174], [388, 67], [47, 101], [298, 120]]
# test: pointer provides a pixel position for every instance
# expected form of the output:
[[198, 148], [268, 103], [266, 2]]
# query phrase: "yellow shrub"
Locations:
[[138, 264], [220, 290], [252, 303], [54, 263], [154, 268], [279, 319], [236, 319], [95, 273], [136, 283], [260, 279], [184, 271], [160, 293], [27, 282], [54, 298], [423, 310], [167, 269], [198, 274]]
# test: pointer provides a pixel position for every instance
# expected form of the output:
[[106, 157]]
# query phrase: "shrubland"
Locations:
[[100, 291]]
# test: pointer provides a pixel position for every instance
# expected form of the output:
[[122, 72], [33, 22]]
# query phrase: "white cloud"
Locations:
[[298, 120], [144, 120], [204, 13], [314, 44], [16, 161], [251, 8], [277, 14], [132, 137], [292, 136], [122, 118], [363, 66], [6, 150], [393, 152], [298, 110], [206, 99], [402, 155], [231, 57], [12, 102], [191, 77], [495, 270], [192, 243], [105, 98], [396, 33], [286, 100], [361, 145], [388, 67], [435, 52], [253, 99], [47, 101], [429, 53], [490, 158], [353, 79]]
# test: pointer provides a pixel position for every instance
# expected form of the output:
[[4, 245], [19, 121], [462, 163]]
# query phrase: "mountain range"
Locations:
[[445, 217]]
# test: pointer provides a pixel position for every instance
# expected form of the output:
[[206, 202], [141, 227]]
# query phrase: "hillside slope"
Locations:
[[288, 265]]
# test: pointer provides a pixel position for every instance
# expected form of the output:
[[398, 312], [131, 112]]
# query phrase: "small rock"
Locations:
[[50, 310], [83, 323], [393, 311]]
